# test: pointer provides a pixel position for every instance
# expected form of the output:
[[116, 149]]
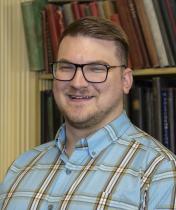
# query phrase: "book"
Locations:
[[148, 117], [136, 114], [128, 26], [100, 8], [150, 43], [51, 118], [108, 9], [67, 14], [50, 114], [139, 33], [33, 35], [55, 26], [174, 101], [65, 1], [171, 9], [157, 117], [156, 32], [141, 96], [87, 10], [167, 11], [171, 119], [165, 118], [162, 26], [75, 9], [48, 56], [115, 19], [93, 8], [82, 9], [43, 118]]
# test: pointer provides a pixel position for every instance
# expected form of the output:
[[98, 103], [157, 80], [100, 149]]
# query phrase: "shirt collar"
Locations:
[[101, 139]]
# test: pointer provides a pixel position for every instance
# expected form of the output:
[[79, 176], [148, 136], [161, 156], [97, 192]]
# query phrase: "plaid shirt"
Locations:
[[117, 167]]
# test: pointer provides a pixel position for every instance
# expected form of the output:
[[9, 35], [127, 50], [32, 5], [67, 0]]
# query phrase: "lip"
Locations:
[[80, 98]]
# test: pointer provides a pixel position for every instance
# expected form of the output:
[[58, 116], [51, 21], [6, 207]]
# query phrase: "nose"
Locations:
[[79, 80]]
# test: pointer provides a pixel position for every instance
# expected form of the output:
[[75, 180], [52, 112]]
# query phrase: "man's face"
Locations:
[[85, 104]]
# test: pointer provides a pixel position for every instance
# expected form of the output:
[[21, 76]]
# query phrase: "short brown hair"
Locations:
[[100, 28]]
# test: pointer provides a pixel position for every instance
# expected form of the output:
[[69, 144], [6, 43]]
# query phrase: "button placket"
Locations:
[[50, 207], [68, 171]]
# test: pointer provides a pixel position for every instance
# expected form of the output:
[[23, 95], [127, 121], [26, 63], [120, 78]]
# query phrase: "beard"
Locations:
[[95, 115], [93, 118], [82, 123]]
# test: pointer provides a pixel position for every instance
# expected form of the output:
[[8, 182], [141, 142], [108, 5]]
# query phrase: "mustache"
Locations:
[[80, 91]]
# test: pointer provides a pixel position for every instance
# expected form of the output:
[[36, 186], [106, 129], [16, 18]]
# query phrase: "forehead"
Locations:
[[81, 49]]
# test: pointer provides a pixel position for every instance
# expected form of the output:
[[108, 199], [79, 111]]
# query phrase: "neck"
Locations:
[[73, 135]]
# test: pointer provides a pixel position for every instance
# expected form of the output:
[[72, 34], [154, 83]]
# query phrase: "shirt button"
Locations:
[[50, 207], [68, 171], [93, 153]]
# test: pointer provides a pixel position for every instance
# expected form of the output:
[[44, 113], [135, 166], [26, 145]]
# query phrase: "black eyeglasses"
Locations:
[[92, 72]]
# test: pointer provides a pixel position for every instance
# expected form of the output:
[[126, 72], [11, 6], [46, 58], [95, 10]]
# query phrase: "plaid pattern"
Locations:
[[118, 167]]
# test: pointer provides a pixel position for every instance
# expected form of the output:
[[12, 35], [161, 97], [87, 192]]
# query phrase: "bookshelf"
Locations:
[[155, 72], [151, 92]]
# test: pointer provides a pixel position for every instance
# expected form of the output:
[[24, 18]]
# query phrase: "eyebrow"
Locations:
[[91, 62]]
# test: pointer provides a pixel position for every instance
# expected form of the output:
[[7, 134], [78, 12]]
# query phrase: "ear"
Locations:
[[127, 80]]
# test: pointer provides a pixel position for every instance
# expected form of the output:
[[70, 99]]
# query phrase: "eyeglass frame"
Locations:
[[81, 66]]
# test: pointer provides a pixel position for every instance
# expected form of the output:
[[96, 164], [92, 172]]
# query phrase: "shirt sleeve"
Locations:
[[159, 186]]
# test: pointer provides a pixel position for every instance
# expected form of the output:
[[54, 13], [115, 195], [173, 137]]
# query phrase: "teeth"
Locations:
[[80, 97]]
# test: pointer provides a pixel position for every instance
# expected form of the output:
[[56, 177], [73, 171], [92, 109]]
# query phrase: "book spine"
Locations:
[[174, 93], [33, 40], [75, 9], [94, 9], [136, 106], [148, 110], [167, 45], [165, 120], [139, 33], [100, 8], [108, 9], [157, 118], [127, 24], [171, 113], [154, 25], [150, 44], [43, 117], [68, 14], [48, 56], [82, 10], [53, 27], [50, 115], [170, 25]]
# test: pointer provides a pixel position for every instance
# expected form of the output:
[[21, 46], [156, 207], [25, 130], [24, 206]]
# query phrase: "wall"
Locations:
[[19, 89]]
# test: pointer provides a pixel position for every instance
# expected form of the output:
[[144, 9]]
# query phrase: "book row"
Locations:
[[51, 118], [149, 24], [151, 106]]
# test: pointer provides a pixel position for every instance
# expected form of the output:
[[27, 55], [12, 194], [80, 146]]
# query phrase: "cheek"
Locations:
[[58, 87], [57, 90], [114, 85]]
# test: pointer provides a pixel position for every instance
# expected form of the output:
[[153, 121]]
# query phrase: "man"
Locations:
[[99, 159]]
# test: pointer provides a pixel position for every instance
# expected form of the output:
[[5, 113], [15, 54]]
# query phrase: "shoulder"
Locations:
[[45, 153], [152, 155], [149, 143]]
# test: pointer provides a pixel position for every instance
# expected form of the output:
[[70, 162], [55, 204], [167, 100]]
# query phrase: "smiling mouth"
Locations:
[[80, 97]]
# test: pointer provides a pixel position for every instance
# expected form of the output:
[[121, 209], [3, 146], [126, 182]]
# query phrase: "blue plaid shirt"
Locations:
[[117, 167]]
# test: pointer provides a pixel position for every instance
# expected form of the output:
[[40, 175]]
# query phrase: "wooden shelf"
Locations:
[[136, 73], [154, 72], [45, 76], [67, 1]]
